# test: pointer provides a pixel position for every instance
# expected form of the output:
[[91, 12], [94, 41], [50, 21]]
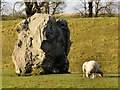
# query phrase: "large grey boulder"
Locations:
[[43, 43]]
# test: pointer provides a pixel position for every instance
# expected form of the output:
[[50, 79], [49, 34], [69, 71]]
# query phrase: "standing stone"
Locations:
[[43, 43]]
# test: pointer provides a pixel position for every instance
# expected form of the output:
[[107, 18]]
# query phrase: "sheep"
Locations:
[[91, 67]]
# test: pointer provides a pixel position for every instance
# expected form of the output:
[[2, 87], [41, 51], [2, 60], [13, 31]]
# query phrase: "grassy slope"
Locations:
[[94, 38]]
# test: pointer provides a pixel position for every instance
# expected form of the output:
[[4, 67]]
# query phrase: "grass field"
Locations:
[[93, 38], [10, 80]]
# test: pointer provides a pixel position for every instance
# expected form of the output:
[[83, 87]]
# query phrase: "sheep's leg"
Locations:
[[94, 75], [88, 75], [84, 72]]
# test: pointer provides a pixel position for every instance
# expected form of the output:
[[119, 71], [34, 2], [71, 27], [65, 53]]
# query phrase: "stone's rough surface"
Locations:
[[43, 43]]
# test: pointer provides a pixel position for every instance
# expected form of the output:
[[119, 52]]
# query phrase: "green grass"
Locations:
[[10, 80], [93, 38]]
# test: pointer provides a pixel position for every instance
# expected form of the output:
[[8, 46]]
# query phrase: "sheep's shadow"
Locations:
[[112, 76], [105, 75]]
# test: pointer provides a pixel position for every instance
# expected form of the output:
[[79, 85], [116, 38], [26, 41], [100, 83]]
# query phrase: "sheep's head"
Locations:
[[101, 74]]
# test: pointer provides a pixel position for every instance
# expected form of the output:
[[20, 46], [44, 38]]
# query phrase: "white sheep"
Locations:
[[91, 67]]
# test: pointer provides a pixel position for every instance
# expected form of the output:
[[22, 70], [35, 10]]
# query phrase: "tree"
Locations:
[[42, 7], [110, 6], [82, 8], [119, 7], [5, 8], [56, 7], [47, 8], [18, 4], [29, 9], [86, 8], [0, 10], [97, 9], [0, 6], [90, 8]]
